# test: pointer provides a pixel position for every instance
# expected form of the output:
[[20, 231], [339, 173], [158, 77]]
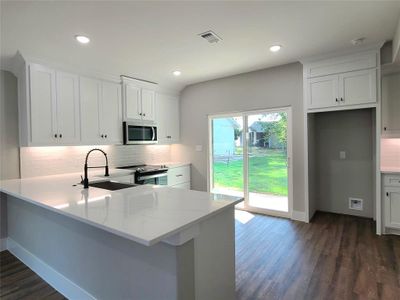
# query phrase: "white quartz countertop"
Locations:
[[145, 214]]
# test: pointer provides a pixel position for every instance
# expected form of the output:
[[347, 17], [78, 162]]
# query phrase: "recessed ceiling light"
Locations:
[[275, 48], [177, 73], [82, 39]]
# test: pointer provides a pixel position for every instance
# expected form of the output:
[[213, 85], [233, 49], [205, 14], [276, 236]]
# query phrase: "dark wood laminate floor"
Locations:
[[334, 257], [17, 281]]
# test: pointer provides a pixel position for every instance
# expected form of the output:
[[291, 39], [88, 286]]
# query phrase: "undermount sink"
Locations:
[[111, 185]]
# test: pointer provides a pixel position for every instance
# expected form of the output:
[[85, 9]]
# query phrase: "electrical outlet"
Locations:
[[356, 203], [199, 148]]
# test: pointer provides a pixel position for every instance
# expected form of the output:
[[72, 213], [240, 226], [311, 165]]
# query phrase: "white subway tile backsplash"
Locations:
[[41, 161], [390, 153]]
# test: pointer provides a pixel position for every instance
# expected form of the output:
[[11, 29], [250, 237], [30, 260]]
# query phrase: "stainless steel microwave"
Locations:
[[138, 133]]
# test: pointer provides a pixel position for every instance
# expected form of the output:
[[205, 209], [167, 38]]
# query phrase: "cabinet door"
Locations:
[[162, 112], [167, 116], [391, 104], [43, 110], [174, 120], [148, 105], [358, 87], [90, 93], [67, 108], [392, 207], [323, 92], [111, 121], [132, 102]]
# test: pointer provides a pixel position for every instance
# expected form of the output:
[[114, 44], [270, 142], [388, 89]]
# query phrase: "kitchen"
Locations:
[[140, 217]]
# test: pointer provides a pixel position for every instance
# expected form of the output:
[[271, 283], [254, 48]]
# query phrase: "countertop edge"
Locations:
[[117, 232]]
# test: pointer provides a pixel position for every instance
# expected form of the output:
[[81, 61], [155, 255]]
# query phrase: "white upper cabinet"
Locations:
[[358, 87], [90, 97], [132, 102], [167, 108], [43, 108], [148, 105], [68, 127], [54, 107], [323, 92], [111, 119], [344, 82], [391, 105], [139, 102], [101, 121]]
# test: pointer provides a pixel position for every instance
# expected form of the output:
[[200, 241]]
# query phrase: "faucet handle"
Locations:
[[81, 179]]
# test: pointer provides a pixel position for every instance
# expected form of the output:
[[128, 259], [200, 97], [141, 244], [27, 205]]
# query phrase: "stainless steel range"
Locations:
[[149, 174]]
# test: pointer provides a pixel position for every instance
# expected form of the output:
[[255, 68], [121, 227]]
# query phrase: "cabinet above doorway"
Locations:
[[343, 82]]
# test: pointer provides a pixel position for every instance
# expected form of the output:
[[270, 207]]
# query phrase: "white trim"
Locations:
[[3, 244], [62, 284], [300, 216]]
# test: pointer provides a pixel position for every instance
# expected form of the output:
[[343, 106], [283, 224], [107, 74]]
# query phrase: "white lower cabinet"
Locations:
[[391, 201], [179, 177]]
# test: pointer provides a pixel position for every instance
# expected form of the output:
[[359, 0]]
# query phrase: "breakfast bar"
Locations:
[[142, 242]]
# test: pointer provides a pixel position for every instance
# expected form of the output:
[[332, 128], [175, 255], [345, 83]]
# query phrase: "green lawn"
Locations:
[[267, 173]]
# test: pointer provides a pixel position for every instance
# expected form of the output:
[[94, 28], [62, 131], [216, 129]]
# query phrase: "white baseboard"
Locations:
[[3, 244], [62, 284], [299, 216]]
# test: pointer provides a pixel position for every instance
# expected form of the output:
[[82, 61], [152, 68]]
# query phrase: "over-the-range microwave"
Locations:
[[139, 133]]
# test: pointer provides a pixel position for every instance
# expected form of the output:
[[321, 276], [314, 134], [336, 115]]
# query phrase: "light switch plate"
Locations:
[[342, 154], [199, 148]]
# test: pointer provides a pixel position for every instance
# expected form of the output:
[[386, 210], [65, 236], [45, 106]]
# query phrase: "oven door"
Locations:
[[139, 134], [157, 179]]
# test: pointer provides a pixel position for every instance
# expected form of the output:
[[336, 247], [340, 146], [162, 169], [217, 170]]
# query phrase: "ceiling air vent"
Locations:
[[210, 36]]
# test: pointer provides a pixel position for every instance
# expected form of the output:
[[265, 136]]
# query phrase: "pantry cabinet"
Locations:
[[167, 111], [139, 102]]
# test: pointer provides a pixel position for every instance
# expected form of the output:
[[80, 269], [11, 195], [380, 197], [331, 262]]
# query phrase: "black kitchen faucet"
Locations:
[[86, 180]]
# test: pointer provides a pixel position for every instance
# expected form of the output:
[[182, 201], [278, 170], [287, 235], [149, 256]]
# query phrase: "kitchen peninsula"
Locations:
[[143, 242]]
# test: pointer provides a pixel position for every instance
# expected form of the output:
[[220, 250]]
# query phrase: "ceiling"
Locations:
[[150, 40]]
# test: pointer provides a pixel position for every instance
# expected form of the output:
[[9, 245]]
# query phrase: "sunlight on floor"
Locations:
[[243, 216], [259, 200]]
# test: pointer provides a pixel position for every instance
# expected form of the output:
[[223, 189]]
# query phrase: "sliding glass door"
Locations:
[[249, 157], [227, 155]]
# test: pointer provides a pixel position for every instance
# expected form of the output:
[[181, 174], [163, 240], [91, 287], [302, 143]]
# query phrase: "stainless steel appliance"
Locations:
[[147, 174], [139, 133]]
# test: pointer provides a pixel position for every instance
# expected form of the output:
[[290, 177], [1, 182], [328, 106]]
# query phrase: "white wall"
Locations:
[[9, 151], [268, 88]]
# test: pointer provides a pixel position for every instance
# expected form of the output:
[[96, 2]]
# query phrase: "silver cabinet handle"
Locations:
[[179, 175]]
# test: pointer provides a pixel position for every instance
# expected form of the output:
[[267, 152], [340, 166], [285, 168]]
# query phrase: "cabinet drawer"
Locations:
[[178, 175], [392, 180]]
